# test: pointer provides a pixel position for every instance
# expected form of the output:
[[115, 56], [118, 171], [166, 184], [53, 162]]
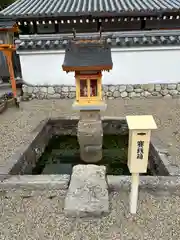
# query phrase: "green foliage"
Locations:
[[5, 3]]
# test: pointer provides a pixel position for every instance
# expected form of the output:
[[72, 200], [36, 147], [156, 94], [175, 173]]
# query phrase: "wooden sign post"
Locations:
[[138, 151]]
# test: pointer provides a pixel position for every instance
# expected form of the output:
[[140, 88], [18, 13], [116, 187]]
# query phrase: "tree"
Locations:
[[5, 3]]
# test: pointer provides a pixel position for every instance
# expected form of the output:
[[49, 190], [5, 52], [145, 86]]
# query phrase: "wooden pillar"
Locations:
[[56, 27], [35, 27], [143, 24], [8, 54]]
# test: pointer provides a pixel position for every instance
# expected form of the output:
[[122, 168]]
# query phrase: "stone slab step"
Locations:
[[88, 192]]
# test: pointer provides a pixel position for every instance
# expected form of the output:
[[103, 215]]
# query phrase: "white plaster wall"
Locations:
[[130, 66], [45, 69]]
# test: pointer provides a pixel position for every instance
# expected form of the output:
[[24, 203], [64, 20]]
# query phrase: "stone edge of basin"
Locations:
[[69, 117], [166, 183], [115, 183], [61, 182], [33, 182], [165, 158]]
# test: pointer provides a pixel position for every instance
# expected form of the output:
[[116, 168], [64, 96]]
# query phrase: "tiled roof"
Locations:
[[87, 54], [6, 22], [116, 40], [25, 8]]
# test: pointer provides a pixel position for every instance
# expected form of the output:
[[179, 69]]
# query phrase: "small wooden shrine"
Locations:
[[7, 30], [88, 58]]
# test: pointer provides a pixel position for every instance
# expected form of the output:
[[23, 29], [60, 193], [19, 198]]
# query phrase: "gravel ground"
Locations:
[[40, 217]]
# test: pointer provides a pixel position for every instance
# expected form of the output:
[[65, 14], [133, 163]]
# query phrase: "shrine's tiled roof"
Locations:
[[115, 40], [82, 54], [25, 8]]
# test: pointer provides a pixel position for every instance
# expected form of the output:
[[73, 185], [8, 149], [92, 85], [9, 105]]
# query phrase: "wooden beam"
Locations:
[[7, 47], [86, 76]]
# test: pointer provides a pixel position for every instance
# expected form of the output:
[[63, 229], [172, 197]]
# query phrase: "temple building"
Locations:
[[142, 39], [60, 16]]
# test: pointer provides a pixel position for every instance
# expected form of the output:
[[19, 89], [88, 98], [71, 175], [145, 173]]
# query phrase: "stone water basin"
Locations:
[[55, 150]]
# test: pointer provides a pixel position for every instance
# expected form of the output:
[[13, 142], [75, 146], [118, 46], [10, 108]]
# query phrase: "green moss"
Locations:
[[64, 150], [115, 141], [63, 142]]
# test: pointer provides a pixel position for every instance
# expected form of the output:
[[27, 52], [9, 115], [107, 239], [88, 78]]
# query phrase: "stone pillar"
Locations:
[[90, 136]]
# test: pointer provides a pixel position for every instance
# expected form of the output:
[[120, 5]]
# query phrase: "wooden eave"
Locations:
[[12, 29], [86, 68], [85, 76]]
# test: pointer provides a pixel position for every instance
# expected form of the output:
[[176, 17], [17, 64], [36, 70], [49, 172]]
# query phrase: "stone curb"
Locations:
[[71, 117], [165, 183], [18, 158], [115, 183], [165, 158], [36, 182]]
